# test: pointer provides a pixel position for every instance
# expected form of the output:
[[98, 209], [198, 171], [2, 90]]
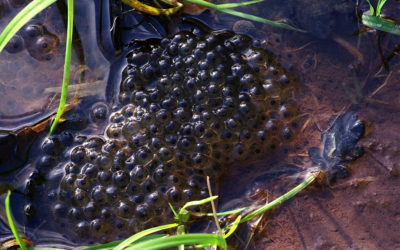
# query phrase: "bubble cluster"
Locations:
[[190, 106]]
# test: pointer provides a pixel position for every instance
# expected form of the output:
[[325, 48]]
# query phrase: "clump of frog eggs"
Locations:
[[190, 106]]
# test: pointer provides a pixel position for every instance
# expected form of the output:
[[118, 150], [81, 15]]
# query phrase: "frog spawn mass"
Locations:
[[190, 105]]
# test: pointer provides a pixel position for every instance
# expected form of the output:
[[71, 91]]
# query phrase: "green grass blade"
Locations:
[[279, 200], [11, 222], [235, 211], [67, 65], [141, 234], [234, 5], [173, 210], [45, 248], [379, 23], [196, 203], [112, 245], [371, 8], [26, 14], [177, 240], [245, 15], [233, 227], [379, 7]]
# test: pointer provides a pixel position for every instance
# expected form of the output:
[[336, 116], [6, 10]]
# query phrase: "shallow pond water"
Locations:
[[335, 72]]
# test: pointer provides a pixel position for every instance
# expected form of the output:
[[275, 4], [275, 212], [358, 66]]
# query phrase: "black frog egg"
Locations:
[[121, 178], [174, 195], [60, 209], [90, 170], [138, 58], [143, 212], [51, 146], [138, 174], [42, 47], [143, 155], [99, 112], [72, 168], [90, 210], [32, 31], [125, 209], [75, 213], [94, 143], [98, 226], [68, 181], [165, 154], [15, 45], [83, 181], [154, 199], [114, 131], [82, 228], [80, 197], [106, 213], [98, 194], [78, 155], [117, 117]]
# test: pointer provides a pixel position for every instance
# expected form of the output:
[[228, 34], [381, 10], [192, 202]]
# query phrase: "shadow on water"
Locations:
[[336, 72]]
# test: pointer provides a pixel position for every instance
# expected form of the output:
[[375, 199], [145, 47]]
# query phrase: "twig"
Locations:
[[213, 208]]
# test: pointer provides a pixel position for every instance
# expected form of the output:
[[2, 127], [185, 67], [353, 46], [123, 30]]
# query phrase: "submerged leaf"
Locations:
[[381, 24]]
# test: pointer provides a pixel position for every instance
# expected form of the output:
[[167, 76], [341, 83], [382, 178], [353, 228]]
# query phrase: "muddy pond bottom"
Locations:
[[189, 106]]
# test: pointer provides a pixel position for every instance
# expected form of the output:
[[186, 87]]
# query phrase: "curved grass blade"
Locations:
[[371, 7], [196, 203], [235, 211], [233, 227], [177, 240], [381, 24], [112, 245], [379, 7], [141, 234], [279, 200], [45, 248], [26, 14], [11, 222], [67, 65], [234, 5], [245, 15]]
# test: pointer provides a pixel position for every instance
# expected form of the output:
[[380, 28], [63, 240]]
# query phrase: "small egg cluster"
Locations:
[[190, 105], [37, 40]]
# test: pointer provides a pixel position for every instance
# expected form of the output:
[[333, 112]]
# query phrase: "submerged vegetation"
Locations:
[[376, 21]]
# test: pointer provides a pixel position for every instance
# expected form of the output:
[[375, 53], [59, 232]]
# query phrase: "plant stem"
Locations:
[[11, 222], [280, 199], [67, 65]]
